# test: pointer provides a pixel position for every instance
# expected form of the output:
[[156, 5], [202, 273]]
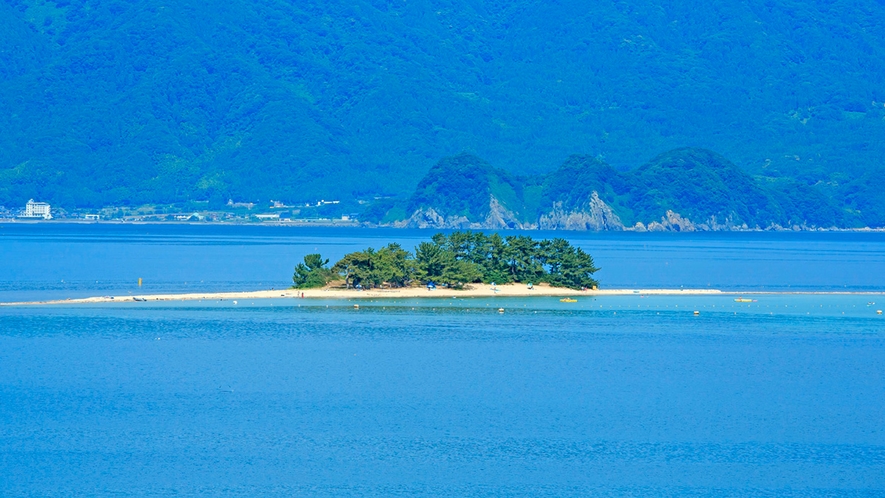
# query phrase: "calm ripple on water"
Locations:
[[614, 396]]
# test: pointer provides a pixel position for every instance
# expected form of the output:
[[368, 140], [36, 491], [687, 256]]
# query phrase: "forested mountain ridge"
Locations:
[[682, 189], [131, 102], [464, 189]]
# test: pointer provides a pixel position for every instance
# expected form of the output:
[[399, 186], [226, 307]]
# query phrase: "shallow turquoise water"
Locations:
[[614, 396]]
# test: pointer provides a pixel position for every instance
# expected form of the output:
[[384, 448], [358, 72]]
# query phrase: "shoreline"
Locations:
[[338, 223], [508, 290]]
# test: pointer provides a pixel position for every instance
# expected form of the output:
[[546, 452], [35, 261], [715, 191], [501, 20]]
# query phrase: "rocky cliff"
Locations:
[[498, 218], [595, 215], [675, 222], [683, 190]]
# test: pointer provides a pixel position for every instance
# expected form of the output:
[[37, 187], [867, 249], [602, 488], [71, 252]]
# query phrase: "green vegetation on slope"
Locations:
[[696, 183], [577, 178], [463, 186], [865, 195], [127, 103]]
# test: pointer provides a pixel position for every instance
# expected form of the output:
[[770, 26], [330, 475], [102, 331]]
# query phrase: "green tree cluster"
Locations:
[[391, 265], [312, 273], [462, 258]]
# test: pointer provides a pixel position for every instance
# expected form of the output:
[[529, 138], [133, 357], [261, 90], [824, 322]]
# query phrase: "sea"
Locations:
[[630, 395]]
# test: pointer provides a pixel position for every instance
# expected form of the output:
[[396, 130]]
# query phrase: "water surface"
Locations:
[[58, 261], [612, 396]]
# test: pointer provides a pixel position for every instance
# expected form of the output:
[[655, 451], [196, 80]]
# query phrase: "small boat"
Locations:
[[744, 300], [136, 298], [568, 300]]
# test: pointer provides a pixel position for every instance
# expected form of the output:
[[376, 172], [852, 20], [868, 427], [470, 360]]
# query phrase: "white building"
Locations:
[[37, 210]]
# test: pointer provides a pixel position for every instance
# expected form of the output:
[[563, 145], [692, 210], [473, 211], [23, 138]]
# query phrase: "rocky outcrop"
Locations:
[[804, 227], [499, 218], [672, 222], [596, 215], [429, 218], [675, 222]]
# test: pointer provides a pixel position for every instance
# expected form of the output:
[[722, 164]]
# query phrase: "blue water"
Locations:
[[41, 261], [613, 396]]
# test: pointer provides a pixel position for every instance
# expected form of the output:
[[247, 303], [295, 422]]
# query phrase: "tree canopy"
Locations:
[[312, 272], [459, 259]]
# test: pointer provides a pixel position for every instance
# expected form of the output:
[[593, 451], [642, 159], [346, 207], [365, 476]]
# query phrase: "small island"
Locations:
[[455, 261], [460, 264]]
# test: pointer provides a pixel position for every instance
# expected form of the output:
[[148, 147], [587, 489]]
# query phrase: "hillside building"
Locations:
[[37, 210]]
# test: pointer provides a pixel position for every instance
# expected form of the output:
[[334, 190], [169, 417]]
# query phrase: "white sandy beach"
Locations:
[[479, 290]]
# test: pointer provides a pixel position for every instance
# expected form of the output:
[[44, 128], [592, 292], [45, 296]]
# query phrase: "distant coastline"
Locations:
[[369, 226], [298, 223]]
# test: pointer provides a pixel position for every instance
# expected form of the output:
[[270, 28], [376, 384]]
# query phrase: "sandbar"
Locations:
[[477, 290]]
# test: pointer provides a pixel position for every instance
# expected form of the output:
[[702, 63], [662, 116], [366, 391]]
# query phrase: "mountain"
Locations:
[[864, 194], [462, 191], [571, 196], [682, 189], [130, 102]]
